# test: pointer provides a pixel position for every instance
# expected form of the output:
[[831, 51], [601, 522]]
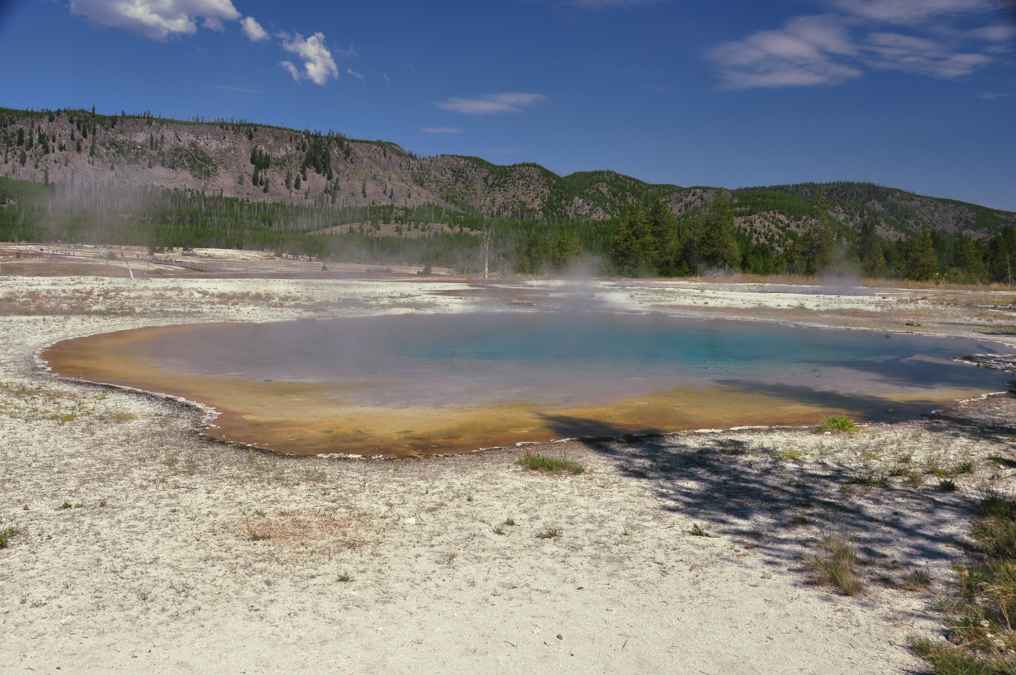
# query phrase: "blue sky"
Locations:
[[919, 94]]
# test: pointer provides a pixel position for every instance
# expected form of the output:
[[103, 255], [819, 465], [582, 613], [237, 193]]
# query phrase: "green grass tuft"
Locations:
[[6, 534], [839, 424], [555, 465], [947, 485], [836, 565]]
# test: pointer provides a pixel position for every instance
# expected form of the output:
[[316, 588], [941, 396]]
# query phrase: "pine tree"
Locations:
[[718, 246], [668, 247], [91, 150], [968, 260], [922, 261], [870, 250], [633, 249]]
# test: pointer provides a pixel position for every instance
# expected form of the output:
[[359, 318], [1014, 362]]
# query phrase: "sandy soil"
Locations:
[[177, 554]]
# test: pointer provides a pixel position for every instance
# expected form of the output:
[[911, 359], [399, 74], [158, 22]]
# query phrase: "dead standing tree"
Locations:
[[488, 236]]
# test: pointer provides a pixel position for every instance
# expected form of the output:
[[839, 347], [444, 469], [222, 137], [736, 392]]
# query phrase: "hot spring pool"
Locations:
[[426, 384]]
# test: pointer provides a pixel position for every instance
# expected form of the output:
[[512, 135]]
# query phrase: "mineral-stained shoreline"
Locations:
[[139, 546], [1003, 362]]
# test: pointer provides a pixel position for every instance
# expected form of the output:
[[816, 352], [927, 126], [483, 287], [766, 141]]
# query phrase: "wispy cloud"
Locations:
[[441, 130], [318, 63], [999, 32], [899, 35], [492, 104], [291, 68], [909, 54], [803, 53], [254, 31], [992, 95], [157, 19], [911, 11], [353, 73]]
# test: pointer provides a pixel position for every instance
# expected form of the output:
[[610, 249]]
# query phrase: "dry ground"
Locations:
[[138, 546]]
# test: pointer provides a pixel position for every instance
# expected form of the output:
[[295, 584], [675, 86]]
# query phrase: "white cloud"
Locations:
[[835, 48], [998, 32], [802, 53], [992, 95], [441, 130], [353, 73], [906, 53], [492, 103], [157, 19], [318, 63], [910, 11], [254, 31], [291, 68]]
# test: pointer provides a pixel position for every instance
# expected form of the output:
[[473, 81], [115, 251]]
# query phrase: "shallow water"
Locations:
[[425, 383]]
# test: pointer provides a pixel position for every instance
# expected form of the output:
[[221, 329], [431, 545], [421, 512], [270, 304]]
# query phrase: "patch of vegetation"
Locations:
[[790, 455], [871, 479], [698, 531], [836, 565], [549, 533], [752, 201], [194, 159], [918, 580], [6, 534], [318, 156], [501, 529], [64, 418], [981, 637], [937, 470], [256, 532], [67, 505], [839, 424], [948, 659], [121, 417], [344, 578], [552, 465], [947, 485]]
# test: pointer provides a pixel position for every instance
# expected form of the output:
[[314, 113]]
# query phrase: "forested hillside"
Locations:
[[142, 179]]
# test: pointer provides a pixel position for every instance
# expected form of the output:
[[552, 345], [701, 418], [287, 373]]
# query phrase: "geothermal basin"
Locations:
[[419, 385]]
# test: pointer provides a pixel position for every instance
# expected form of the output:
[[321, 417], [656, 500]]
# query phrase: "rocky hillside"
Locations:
[[265, 163]]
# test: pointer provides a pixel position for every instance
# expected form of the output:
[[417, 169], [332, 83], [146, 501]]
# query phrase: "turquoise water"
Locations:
[[571, 357]]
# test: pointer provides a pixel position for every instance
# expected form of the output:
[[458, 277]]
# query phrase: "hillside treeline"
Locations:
[[647, 239]]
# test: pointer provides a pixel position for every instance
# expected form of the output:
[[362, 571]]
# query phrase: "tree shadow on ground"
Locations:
[[915, 373], [990, 420], [873, 408], [781, 508]]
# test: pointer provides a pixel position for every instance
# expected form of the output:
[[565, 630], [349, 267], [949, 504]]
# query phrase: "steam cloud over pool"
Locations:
[[424, 384]]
